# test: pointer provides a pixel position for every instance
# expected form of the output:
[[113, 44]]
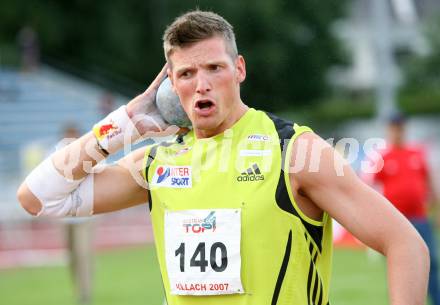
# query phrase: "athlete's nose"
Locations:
[[203, 84]]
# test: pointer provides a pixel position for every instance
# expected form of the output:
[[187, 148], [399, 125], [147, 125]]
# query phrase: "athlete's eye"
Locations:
[[214, 67], [185, 74]]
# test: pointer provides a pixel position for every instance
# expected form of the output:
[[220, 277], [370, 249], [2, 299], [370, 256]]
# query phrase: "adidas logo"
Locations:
[[253, 173]]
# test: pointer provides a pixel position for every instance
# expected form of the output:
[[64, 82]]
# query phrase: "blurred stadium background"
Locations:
[[338, 66]]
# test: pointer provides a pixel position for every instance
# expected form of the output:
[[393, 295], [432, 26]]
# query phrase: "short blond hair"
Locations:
[[195, 26]]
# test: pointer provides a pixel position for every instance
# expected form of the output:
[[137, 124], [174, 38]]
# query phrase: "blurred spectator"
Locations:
[[79, 240], [79, 237], [31, 155], [106, 104], [406, 182], [35, 151], [29, 46], [70, 131]]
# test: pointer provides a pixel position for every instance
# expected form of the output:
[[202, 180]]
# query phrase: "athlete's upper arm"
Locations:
[[120, 186], [330, 183]]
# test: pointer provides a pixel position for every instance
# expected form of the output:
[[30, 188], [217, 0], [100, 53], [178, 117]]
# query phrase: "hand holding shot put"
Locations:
[[147, 109], [72, 167]]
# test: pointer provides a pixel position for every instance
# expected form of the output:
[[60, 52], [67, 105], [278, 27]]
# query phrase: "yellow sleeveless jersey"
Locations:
[[281, 256]]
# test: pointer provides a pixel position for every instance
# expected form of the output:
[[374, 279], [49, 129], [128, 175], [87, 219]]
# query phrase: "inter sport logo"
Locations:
[[162, 174], [172, 176], [253, 173]]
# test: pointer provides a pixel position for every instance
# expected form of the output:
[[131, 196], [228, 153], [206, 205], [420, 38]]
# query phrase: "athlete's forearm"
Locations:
[[59, 187], [77, 159], [408, 270]]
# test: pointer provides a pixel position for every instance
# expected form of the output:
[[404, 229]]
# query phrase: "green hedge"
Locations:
[[335, 111], [421, 102], [8, 55]]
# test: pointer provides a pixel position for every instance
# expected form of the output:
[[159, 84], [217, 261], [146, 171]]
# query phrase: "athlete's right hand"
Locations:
[[144, 114]]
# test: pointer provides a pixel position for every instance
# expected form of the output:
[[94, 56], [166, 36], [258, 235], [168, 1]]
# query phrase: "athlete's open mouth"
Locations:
[[204, 104]]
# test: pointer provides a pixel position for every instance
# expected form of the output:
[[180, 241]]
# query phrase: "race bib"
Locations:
[[203, 251]]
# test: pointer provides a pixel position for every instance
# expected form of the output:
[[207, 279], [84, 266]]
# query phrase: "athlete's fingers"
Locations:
[[169, 131], [144, 102]]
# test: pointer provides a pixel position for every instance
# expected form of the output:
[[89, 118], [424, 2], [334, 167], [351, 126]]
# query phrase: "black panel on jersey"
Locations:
[[150, 159], [313, 271], [284, 129], [315, 232], [285, 133], [283, 270]]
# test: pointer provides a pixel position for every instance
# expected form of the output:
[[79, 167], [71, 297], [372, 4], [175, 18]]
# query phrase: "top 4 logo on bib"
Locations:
[[172, 176], [203, 251], [198, 225]]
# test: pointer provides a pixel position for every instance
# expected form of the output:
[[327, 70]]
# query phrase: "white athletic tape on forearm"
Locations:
[[110, 132], [59, 196]]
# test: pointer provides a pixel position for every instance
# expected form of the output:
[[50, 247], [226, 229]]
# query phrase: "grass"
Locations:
[[131, 276], [359, 278]]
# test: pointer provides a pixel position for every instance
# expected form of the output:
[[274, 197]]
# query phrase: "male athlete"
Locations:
[[241, 205]]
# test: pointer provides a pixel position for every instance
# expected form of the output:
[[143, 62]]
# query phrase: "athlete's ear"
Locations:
[[170, 75], [240, 68]]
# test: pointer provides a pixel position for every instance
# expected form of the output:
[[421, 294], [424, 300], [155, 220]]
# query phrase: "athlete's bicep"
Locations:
[[333, 186], [121, 185]]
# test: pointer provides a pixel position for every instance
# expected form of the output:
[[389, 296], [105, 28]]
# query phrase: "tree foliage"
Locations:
[[421, 90], [422, 71], [288, 45]]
